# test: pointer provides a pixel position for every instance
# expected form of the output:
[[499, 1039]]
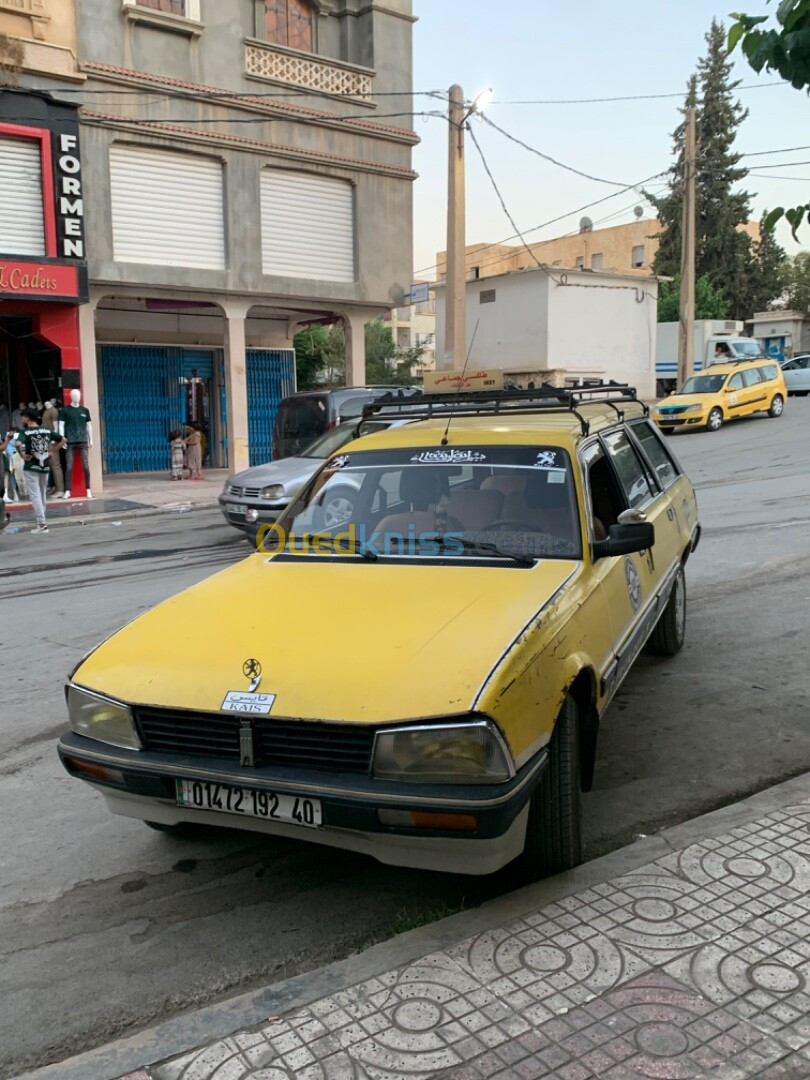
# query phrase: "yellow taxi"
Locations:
[[423, 682], [724, 392]]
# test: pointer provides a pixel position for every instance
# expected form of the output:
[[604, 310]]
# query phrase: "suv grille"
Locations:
[[290, 743]]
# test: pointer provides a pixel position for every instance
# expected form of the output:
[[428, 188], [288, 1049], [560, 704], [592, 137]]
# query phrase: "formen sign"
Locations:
[[69, 197]]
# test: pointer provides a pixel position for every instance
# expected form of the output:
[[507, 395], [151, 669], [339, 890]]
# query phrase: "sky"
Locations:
[[535, 49]]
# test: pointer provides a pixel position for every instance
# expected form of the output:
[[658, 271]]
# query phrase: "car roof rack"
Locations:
[[544, 399]]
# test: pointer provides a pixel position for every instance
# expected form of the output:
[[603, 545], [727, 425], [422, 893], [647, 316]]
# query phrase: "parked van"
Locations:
[[303, 418]]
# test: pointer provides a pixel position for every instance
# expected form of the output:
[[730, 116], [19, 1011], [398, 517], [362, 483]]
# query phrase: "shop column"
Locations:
[[354, 331], [89, 387], [236, 386]]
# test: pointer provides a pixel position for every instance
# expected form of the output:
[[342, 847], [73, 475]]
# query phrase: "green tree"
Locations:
[[709, 301], [385, 363], [767, 270], [320, 356], [797, 282], [723, 252], [784, 49]]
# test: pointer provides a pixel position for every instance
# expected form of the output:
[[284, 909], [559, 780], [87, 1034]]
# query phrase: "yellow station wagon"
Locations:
[[504, 564], [724, 392]]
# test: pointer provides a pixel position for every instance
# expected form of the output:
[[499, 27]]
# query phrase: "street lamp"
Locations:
[[455, 328]]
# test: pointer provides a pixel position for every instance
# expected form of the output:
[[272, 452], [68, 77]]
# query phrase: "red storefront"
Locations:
[[43, 268]]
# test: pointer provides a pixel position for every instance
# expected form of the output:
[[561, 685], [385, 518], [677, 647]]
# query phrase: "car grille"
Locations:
[[669, 410], [336, 748], [243, 492]]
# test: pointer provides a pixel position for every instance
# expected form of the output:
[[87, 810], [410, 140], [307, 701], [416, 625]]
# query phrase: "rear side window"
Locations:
[[636, 484], [751, 377], [300, 421], [769, 372], [656, 453]]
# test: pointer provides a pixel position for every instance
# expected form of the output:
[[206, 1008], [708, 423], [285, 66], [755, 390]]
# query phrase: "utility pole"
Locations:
[[455, 330], [686, 332]]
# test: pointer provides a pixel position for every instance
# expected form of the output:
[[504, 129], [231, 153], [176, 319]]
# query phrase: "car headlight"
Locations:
[[693, 408], [102, 719], [471, 753], [273, 491]]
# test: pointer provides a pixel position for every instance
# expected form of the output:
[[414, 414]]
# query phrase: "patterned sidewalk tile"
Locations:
[[696, 965]]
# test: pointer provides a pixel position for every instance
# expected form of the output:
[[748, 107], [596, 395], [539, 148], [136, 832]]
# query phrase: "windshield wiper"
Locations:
[[354, 547], [486, 545]]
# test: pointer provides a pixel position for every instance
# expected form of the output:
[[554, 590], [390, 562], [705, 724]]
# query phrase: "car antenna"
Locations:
[[461, 383]]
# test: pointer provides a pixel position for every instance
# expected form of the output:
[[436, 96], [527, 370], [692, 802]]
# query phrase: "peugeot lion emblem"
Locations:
[[252, 670]]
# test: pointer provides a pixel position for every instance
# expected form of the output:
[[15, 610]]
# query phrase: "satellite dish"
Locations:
[[586, 225], [639, 211]]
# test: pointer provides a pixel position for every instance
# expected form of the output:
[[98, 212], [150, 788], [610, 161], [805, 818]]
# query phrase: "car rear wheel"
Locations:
[[715, 421], [670, 631], [777, 405], [554, 829]]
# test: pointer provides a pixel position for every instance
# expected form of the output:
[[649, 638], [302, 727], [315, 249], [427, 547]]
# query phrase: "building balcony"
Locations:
[[275, 63]]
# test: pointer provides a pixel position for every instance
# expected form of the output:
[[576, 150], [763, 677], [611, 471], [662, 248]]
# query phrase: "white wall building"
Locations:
[[543, 325]]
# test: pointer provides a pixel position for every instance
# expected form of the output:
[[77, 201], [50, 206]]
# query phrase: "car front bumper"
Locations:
[[680, 419], [237, 512], [141, 784]]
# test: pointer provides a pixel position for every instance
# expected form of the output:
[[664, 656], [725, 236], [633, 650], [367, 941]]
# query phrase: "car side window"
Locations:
[[769, 372], [735, 382], [352, 407], [751, 377], [655, 452], [792, 365], [606, 500], [637, 484]]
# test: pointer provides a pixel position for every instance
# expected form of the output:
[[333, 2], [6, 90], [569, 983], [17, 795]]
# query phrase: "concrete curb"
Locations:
[[196, 1028], [147, 511]]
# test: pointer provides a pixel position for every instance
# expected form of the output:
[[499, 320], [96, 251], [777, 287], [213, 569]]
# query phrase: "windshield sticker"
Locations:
[[556, 476], [449, 457], [547, 459], [340, 462]]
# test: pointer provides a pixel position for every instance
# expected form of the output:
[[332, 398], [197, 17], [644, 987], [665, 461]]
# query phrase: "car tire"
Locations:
[[338, 507], [777, 406], [670, 631], [715, 420], [554, 828], [185, 830]]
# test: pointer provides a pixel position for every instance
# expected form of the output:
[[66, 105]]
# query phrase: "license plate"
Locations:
[[202, 795], [239, 510]]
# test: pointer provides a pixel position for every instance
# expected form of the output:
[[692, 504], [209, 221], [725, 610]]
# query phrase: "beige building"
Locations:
[[621, 249], [40, 38], [414, 327]]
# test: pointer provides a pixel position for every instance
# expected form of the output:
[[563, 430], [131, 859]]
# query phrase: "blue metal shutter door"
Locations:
[[270, 378]]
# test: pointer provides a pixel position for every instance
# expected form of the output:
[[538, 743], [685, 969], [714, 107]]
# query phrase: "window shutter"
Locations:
[[22, 221], [168, 209], [307, 226]]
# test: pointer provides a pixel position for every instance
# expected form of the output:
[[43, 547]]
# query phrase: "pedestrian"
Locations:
[[50, 420], [194, 450], [14, 464], [6, 517], [176, 446], [34, 447]]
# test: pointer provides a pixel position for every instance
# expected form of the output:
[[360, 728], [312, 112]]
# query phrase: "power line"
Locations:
[[503, 202], [770, 176], [265, 119], [185, 91], [548, 157], [560, 217], [623, 97]]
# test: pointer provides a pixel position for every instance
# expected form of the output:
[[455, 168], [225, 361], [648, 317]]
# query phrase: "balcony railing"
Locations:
[[273, 62]]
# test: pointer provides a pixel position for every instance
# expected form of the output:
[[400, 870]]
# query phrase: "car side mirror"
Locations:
[[625, 540]]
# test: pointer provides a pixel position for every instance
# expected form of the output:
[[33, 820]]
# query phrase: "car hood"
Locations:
[[291, 472], [680, 401], [348, 641]]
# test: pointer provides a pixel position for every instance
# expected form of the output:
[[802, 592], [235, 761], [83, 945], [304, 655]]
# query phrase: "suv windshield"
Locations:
[[703, 384], [482, 502]]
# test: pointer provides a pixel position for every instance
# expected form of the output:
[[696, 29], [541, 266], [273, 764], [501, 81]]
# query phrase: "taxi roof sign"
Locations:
[[457, 382]]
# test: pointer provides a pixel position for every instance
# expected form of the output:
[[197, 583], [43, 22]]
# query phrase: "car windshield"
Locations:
[[703, 384], [749, 349], [483, 502]]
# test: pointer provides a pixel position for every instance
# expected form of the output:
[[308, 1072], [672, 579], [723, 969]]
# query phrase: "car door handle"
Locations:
[[670, 513]]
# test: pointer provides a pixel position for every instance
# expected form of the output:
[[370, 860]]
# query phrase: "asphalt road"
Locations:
[[106, 926]]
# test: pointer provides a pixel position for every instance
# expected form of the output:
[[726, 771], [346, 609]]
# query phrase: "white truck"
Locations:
[[708, 334]]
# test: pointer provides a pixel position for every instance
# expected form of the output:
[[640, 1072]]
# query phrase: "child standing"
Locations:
[[176, 446], [194, 448]]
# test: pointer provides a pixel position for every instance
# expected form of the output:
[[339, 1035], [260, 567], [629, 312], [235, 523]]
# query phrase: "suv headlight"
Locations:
[[274, 491], [471, 753], [102, 719]]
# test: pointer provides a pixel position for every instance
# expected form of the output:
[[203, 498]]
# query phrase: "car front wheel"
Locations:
[[670, 631], [715, 421], [554, 829], [777, 405]]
